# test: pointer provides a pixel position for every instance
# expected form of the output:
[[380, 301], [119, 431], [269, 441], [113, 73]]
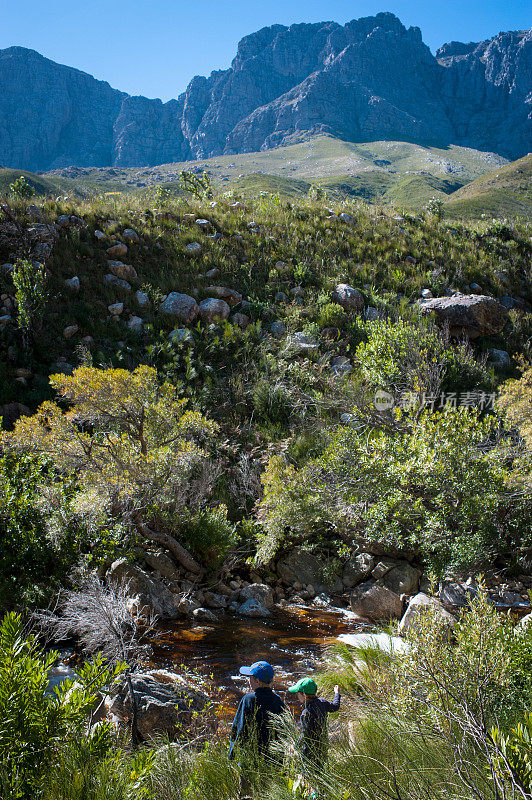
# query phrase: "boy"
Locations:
[[252, 723], [314, 742]]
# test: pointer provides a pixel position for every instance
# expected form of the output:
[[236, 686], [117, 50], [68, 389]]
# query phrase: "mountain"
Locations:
[[367, 80]]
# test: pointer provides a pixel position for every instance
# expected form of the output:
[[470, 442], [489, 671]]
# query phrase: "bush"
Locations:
[[207, 533], [434, 486], [33, 722]]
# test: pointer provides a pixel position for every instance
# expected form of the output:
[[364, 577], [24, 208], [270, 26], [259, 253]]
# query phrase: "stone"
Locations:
[[348, 218], [280, 297], [204, 615], [194, 248], [117, 250], [349, 298], [181, 335], [215, 600], [422, 604], [100, 235], [73, 284], [231, 296], [297, 291], [204, 224], [341, 366], [301, 342], [426, 294], [130, 235], [375, 602], [468, 315], [135, 324], [144, 589], [242, 320], [211, 309], [63, 221], [116, 309], [357, 569], [455, 594], [112, 280], [322, 600], [163, 564], [371, 314], [301, 566], [212, 273], [402, 579], [260, 592], [181, 307], [164, 702], [70, 331], [253, 608], [124, 271], [143, 300], [500, 359], [278, 328], [379, 641]]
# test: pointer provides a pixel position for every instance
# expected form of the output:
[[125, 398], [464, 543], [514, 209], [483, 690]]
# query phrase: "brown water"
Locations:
[[293, 640]]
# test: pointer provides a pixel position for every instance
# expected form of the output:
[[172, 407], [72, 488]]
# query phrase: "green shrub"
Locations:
[[21, 189]]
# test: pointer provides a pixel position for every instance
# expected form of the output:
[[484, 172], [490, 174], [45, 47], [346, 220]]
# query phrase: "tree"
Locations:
[[21, 189], [31, 296], [199, 185], [132, 444], [436, 486]]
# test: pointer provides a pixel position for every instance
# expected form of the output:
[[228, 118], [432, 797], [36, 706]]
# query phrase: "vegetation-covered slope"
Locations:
[[506, 192]]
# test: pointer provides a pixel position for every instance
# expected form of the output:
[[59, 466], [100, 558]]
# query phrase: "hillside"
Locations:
[[506, 192], [369, 79]]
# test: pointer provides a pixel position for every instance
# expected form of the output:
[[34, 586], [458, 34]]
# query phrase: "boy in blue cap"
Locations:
[[252, 725]]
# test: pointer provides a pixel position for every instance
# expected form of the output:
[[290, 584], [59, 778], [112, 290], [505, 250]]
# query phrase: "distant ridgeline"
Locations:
[[367, 80]]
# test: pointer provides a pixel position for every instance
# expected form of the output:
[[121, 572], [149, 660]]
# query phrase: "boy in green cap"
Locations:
[[314, 742]]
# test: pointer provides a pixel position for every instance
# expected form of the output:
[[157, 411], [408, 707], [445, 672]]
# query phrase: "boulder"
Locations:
[[130, 235], [115, 309], [349, 298], [181, 307], [124, 271], [260, 592], [145, 590], [422, 604], [375, 602], [73, 284], [242, 320], [322, 600], [380, 641], [142, 299], [181, 335], [500, 359], [117, 250], [301, 566], [278, 328], [135, 324], [215, 600], [113, 280], [70, 331], [253, 608], [164, 702], [211, 309], [232, 297], [301, 342], [165, 566], [204, 615], [357, 569], [194, 248], [469, 315], [403, 579]]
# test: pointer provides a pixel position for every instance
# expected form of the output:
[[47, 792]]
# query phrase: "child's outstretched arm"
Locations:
[[333, 706]]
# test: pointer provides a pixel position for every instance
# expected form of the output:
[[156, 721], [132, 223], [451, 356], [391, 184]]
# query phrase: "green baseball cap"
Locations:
[[305, 686]]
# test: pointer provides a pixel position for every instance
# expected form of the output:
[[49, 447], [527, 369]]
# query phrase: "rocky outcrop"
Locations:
[[369, 79], [376, 602], [422, 604], [470, 315]]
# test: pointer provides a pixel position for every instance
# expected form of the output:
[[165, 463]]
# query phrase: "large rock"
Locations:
[[146, 592], [164, 702], [165, 566], [260, 592], [231, 296], [211, 309], [180, 307], [357, 569], [402, 579], [469, 315], [349, 298], [300, 566], [422, 604], [253, 608], [375, 602]]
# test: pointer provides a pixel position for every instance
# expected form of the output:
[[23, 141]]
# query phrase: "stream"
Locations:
[[293, 640]]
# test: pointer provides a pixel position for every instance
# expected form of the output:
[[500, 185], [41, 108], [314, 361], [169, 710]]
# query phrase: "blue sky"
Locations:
[[154, 47]]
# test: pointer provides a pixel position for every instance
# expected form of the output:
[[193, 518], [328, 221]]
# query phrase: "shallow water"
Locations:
[[293, 640]]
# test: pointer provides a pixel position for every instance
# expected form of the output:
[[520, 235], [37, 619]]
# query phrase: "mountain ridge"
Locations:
[[370, 79]]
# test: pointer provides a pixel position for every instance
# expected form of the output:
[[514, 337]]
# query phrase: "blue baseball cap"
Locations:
[[260, 670]]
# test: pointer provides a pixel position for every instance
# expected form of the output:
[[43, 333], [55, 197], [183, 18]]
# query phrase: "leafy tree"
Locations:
[[198, 185], [434, 486], [21, 189], [131, 442], [34, 721], [515, 403]]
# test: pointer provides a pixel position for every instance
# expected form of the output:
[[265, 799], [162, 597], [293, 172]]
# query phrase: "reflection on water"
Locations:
[[292, 640]]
